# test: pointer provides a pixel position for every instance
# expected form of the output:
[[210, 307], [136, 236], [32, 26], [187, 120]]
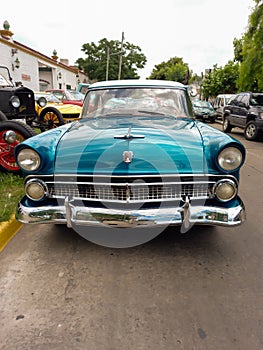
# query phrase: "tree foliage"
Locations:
[[95, 64], [251, 68], [221, 80], [238, 46], [174, 69]]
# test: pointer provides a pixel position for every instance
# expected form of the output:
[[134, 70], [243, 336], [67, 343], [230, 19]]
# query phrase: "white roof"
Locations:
[[136, 82]]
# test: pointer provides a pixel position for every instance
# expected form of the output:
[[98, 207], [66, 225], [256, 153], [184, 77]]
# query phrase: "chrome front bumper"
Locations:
[[187, 215]]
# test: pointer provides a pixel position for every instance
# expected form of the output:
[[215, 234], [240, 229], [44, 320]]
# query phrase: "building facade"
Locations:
[[35, 70]]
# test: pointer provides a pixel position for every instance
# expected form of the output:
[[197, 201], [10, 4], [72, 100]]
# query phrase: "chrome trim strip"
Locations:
[[107, 176]]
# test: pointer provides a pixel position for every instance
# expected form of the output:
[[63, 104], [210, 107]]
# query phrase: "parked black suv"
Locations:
[[245, 111]]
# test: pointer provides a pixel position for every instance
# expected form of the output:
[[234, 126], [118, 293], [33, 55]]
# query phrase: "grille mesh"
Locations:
[[130, 192]]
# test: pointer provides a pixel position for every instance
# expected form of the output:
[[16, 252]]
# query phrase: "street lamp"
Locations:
[[17, 63]]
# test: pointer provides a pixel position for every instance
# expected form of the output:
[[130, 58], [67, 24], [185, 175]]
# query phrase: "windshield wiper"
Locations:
[[151, 112]]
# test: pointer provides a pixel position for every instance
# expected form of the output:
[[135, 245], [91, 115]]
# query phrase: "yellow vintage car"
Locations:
[[54, 113]]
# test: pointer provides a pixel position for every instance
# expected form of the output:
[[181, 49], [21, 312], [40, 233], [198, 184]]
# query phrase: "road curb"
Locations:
[[8, 229]]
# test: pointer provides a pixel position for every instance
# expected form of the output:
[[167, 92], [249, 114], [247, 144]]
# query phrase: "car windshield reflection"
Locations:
[[134, 102]]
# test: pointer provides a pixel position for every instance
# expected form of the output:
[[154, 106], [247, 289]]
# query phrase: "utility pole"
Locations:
[[108, 60], [121, 52]]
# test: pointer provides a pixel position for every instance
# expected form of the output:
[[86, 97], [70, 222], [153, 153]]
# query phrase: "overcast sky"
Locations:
[[199, 31]]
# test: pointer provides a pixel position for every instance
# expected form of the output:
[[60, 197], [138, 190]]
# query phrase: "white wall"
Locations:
[[28, 73]]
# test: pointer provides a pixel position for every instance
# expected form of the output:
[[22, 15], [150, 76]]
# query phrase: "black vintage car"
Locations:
[[245, 111], [15, 103]]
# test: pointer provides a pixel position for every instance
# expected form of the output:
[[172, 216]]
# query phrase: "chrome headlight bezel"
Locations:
[[15, 101], [42, 188], [218, 187], [28, 159], [230, 158]]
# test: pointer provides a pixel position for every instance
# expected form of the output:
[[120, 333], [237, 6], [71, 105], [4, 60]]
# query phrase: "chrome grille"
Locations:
[[136, 191]]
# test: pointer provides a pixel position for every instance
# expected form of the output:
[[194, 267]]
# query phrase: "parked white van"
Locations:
[[220, 102]]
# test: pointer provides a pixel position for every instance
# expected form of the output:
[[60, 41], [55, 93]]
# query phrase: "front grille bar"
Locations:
[[130, 192]]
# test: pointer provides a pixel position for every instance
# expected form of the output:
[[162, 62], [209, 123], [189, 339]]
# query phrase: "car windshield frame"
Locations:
[[136, 101], [48, 96]]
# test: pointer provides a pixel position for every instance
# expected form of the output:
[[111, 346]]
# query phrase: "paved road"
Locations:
[[201, 290]]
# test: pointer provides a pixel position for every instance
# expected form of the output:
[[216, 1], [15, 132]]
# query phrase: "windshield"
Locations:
[[5, 79], [257, 100], [74, 95], [202, 104], [136, 101], [48, 97]]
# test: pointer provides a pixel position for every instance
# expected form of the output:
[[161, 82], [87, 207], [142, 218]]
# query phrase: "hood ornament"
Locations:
[[127, 156], [129, 136]]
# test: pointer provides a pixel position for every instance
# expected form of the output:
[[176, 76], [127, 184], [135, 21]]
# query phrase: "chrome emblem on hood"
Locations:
[[127, 156]]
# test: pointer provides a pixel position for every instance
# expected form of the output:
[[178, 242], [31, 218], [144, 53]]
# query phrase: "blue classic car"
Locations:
[[136, 158]]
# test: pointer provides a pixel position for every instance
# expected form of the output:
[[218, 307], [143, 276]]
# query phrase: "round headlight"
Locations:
[[42, 101], [36, 189], [9, 136], [230, 158], [225, 190], [28, 159], [15, 102]]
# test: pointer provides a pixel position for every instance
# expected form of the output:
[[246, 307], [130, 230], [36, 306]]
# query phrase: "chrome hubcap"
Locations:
[[251, 130]]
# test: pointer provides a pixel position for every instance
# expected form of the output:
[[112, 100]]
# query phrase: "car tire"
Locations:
[[50, 118], [3, 118], [7, 159], [251, 131], [227, 127]]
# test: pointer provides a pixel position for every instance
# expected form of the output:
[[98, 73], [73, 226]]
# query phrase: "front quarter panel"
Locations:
[[214, 141], [45, 144]]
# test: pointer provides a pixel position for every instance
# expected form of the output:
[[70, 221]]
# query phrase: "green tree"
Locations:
[[221, 80], [238, 47], [98, 55], [251, 68], [174, 69]]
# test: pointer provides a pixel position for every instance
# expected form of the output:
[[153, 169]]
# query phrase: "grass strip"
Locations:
[[11, 191]]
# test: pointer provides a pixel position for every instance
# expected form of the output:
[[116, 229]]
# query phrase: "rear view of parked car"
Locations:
[[246, 112]]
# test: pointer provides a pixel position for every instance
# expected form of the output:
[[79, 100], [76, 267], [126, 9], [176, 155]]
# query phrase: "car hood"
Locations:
[[100, 146], [65, 108]]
